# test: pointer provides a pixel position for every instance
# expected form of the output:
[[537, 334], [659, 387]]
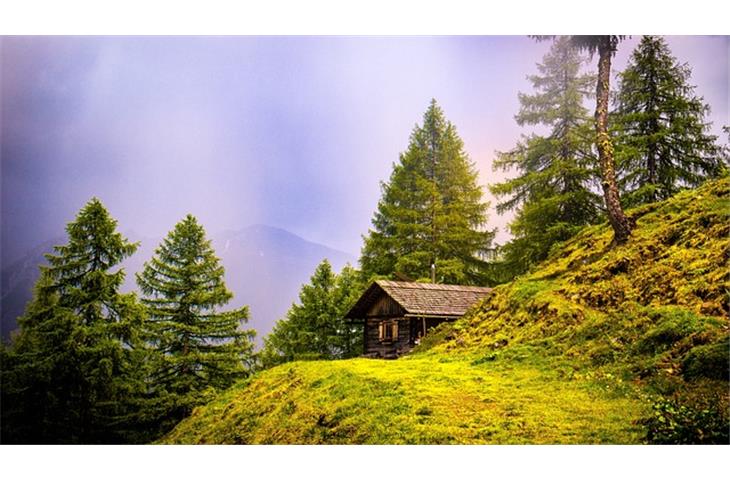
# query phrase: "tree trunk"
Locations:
[[619, 221]]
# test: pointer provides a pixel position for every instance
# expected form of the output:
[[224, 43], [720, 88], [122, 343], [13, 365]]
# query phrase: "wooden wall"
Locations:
[[387, 349], [408, 330]]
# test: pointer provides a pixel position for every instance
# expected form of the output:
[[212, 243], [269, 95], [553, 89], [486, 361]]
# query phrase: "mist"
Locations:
[[293, 132]]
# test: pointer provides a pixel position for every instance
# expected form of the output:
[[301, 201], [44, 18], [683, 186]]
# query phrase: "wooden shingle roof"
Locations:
[[421, 299]]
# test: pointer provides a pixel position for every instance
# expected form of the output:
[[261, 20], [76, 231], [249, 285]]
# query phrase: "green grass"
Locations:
[[416, 401], [597, 345]]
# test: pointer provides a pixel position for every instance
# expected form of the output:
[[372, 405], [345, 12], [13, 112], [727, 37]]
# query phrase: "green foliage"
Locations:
[[673, 422], [316, 328], [670, 326], [661, 135], [595, 43], [552, 194], [708, 361], [195, 348], [431, 211], [74, 373]]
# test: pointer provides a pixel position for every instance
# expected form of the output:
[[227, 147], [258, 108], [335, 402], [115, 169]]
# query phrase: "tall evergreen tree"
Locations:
[[199, 349], [552, 193], [605, 46], [431, 211], [662, 137], [74, 372], [316, 327]]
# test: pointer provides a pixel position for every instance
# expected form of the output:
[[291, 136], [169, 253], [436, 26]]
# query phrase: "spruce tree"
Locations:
[[662, 137], [431, 211], [552, 193], [74, 372], [316, 327], [198, 349]]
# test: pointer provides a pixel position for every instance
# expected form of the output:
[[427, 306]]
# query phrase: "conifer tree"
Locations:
[[552, 193], [662, 137], [347, 340], [431, 211], [74, 372], [198, 348], [605, 46], [315, 327]]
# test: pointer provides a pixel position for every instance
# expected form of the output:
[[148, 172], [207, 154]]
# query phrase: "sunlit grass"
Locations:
[[582, 350], [419, 400]]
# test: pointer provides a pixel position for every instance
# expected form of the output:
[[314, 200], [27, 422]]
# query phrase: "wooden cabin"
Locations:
[[396, 315]]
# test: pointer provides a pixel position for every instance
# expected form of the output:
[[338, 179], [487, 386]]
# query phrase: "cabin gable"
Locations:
[[385, 307]]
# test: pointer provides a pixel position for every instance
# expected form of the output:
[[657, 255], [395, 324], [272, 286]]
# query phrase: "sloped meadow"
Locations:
[[600, 344]]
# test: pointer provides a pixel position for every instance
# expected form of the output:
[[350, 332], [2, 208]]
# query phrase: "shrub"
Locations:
[[673, 422], [673, 324], [708, 361]]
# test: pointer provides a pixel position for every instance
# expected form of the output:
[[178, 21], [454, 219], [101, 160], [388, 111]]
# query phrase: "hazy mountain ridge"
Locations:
[[17, 281], [265, 268]]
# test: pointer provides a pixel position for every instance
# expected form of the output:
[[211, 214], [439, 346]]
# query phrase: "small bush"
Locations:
[[673, 324], [708, 361], [675, 423]]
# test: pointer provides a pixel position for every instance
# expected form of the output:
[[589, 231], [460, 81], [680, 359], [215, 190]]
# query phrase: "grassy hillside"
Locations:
[[599, 345]]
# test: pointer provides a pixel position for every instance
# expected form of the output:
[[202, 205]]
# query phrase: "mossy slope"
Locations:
[[598, 345]]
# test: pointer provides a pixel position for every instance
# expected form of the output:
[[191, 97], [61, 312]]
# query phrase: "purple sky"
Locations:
[[294, 132]]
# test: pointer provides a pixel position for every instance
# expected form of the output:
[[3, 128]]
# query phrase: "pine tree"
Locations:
[[74, 372], [431, 211], [198, 349], [316, 327], [552, 193], [662, 137]]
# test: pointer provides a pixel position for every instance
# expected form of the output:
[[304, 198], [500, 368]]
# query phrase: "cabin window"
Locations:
[[388, 330]]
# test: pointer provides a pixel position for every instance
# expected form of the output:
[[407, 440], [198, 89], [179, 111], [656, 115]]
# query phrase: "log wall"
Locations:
[[408, 330]]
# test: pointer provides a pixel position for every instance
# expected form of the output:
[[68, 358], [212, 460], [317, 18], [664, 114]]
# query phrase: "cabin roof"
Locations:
[[420, 299]]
